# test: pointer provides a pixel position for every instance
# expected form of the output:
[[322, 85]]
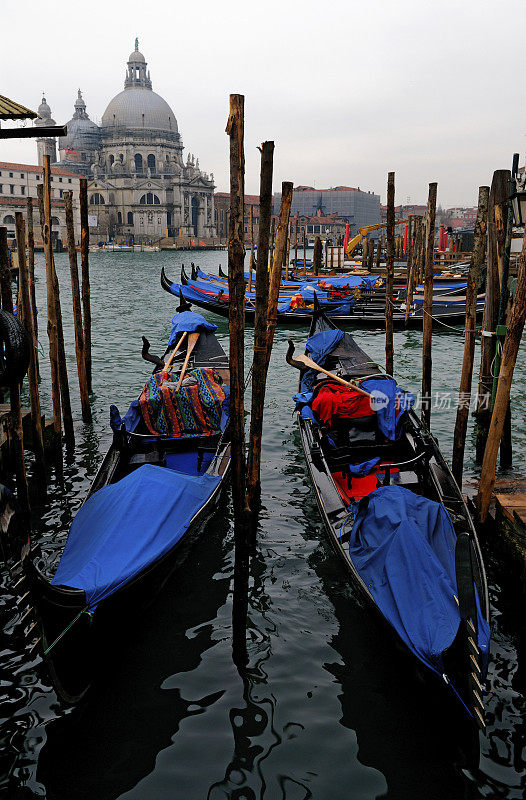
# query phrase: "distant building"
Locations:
[[352, 205], [20, 181], [222, 215], [140, 188]]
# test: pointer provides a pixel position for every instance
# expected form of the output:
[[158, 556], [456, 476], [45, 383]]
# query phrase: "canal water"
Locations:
[[327, 708]]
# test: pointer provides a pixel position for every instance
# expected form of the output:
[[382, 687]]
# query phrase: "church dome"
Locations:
[[138, 107], [44, 115], [83, 133]]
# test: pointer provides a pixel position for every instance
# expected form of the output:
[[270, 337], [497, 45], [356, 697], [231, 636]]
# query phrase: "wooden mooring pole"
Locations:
[[5, 273], [427, 321], [86, 288], [77, 311], [260, 363], [31, 270], [281, 243], [389, 275], [499, 194], [236, 321], [43, 191], [464, 394], [296, 245], [63, 381], [251, 261], [316, 256], [509, 357], [304, 251], [27, 320]]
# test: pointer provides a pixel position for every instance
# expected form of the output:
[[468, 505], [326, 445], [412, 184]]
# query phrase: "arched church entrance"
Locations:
[[195, 214]]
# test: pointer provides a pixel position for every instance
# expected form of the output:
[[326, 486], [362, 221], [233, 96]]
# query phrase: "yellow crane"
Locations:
[[362, 233]]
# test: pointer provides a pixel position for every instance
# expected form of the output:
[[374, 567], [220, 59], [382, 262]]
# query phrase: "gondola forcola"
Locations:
[[160, 479], [394, 513]]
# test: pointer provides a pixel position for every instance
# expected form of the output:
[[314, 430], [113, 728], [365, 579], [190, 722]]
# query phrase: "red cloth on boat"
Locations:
[[334, 402]]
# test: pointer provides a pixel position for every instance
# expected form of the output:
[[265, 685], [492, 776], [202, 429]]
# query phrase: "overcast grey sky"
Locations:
[[347, 90]]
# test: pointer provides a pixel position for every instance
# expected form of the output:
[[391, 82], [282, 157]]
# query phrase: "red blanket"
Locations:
[[334, 402]]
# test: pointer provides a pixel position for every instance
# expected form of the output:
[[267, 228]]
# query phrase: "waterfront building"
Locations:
[[222, 215], [140, 187], [355, 206], [20, 181]]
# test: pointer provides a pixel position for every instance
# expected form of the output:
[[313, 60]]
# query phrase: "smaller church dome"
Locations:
[[44, 112], [83, 133]]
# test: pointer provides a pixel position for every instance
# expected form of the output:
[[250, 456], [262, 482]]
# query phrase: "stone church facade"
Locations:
[[139, 186]]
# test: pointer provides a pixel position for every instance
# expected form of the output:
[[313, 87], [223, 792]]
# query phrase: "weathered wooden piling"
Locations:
[[43, 191], [260, 363], [236, 292], [507, 366], [275, 273], [464, 395], [304, 251], [379, 252], [86, 287], [6, 291], [31, 270], [65, 400], [26, 318], [316, 256], [389, 275], [499, 194], [77, 311], [427, 321], [296, 244], [272, 238], [251, 262]]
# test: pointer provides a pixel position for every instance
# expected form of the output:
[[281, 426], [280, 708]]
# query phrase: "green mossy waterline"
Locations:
[[326, 705]]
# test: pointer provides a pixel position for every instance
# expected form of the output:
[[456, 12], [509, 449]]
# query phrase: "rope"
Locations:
[[66, 629]]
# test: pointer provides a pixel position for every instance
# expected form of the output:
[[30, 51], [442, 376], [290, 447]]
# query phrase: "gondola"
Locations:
[[448, 310], [394, 514], [160, 479]]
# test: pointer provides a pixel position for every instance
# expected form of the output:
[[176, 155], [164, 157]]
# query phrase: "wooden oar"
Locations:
[[177, 346], [192, 341], [308, 362]]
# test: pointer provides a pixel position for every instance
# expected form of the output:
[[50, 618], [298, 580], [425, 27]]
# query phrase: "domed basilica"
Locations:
[[139, 186]]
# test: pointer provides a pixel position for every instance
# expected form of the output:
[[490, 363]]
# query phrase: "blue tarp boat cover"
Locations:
[[403, 546], [189, 321], [125, 527]]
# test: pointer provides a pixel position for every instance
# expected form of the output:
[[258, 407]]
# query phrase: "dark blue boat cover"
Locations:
[[189, 321], [125, 527], [403, 546]]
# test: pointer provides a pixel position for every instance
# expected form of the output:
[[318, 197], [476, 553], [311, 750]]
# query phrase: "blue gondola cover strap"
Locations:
[[128, 525], [403, 546]]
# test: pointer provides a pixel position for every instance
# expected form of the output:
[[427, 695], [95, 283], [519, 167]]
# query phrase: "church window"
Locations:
[[159, 220], [119, 217], [151, 162], [130, 218], [149, 199], [9, 220], [168, 218], [55, 221], [138, 162], [96, 199], [112, 159]]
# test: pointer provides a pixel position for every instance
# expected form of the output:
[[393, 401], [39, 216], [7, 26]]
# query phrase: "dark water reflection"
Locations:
[[326, 708]]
